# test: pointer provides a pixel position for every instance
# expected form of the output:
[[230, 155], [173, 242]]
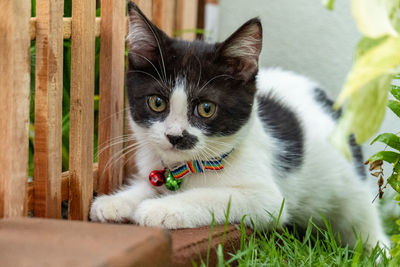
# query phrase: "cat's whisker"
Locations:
[[152, 76], [158, 45], [213, 78], [198, 81], [224, 160], [145, 58], [108, 146], [117, 157], [114, 141], [113, 114], [208, 155], [222, 144], [203, 173]]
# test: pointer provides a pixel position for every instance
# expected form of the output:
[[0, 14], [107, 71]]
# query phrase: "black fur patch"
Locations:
[[282, 124], [356, 151], [357, 154], [184, 141], [327, 103]]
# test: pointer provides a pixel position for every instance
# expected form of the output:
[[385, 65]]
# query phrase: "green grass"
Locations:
[[284, 247], [314, 246]]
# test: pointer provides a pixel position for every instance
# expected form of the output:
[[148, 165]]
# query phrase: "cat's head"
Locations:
[[190, 100]]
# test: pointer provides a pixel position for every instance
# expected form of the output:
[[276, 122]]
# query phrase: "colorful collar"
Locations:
[[173, 177]]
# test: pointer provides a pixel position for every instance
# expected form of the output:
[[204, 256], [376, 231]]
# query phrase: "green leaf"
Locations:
[[396, 168], [363, 115], [395, 107], [395, 91], [329, 4], [394, 183], [390, 139], [388, 156]]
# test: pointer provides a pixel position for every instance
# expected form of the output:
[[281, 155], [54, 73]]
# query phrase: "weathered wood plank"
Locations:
[[186, 19], [14, 105], [111, 115], [163, 15], [81, 111], [48, 108], [61, 243], [64, 187], [67, 25], [146, 6]]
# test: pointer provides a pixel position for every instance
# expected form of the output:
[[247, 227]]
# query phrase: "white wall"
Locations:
[[302, 35]]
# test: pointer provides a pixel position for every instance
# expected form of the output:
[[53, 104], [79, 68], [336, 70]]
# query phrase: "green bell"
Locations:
[[171, 183]]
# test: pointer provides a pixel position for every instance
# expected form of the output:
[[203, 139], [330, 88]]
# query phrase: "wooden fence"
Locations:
[[50, 186]]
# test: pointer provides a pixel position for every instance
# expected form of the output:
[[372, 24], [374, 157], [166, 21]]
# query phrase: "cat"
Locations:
[[252, 137]]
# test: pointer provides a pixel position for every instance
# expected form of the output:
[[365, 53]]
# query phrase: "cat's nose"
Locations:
[[174, 139], [183, 141]]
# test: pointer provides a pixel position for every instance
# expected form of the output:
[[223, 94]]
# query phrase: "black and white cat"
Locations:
[[240, 134]]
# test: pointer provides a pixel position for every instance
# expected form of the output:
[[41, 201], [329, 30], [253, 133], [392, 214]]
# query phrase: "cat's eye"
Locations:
[[205, 109], [157, 103]]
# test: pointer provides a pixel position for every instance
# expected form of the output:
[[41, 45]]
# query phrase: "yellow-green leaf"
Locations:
[[382, 59], [329, 4], [373, 17], [363, 115]]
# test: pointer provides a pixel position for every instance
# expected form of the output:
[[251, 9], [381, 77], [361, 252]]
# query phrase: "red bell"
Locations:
[[157, 178]]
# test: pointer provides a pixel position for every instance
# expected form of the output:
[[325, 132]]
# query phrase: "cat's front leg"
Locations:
[[197, 207], [120, 206]]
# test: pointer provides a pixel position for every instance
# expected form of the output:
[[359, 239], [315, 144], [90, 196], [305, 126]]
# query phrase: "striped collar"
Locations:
[[172, 177], [198, 166]]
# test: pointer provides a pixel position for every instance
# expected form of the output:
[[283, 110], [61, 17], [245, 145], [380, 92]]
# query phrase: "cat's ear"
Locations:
[[144, 37], [242, 49]]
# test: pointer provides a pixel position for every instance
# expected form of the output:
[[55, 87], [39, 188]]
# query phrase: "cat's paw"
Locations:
[[110, 208], [160, 213]]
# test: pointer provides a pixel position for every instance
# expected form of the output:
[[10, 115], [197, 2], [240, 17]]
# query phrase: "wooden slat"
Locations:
[[64, 187], [81, 111], [111, 115], [14, 105], [186, 18], [163, 15], [146, 6], [201, 9], [67, 25], [48, 108]]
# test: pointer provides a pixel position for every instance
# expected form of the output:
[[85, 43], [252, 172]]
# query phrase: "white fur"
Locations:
[[326, 184]]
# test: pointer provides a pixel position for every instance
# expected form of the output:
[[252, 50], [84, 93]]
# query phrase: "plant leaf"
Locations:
[[395, 92], [390, 139], [395, 107], [373, 17], [382, 59], [388, 156], [366, 43], [394, 183], [329, 4], [363, 115]]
